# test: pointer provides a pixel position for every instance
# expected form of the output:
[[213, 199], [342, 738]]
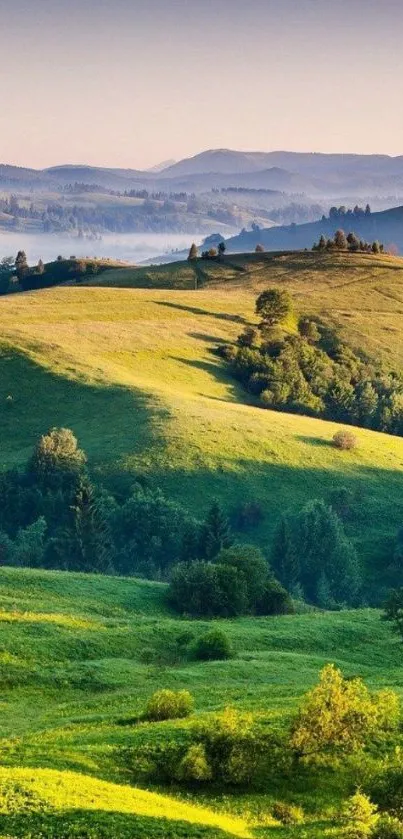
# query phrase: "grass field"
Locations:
[[74, 680], [133, 373]]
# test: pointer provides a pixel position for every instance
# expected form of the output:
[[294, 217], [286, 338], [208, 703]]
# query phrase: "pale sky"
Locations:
[[133, 82]]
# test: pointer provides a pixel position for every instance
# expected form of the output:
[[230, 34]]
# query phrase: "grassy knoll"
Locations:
[[132, 372], [79, 657]]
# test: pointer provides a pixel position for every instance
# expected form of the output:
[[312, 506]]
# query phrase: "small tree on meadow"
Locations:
[[56, 457], [360, 816], [192, 252], [40, 268], [273, 306], [338, 716], [259, 249], [222, 248], [21, 265], [340, 240]]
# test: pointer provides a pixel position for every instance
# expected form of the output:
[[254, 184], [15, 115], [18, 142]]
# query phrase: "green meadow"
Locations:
[[133, 372], [80, 655], [128, 364]]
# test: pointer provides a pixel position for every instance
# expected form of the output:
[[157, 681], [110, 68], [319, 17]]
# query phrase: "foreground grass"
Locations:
[[80, 655]]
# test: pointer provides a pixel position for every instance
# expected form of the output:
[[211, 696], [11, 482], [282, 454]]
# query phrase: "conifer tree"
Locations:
[[215, 533], [192, 252]]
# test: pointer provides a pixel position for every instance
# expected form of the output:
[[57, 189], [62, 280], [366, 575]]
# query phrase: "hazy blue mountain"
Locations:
[[386, 227]]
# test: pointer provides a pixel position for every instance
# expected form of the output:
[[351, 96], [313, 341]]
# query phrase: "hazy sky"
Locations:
[[132, 82]]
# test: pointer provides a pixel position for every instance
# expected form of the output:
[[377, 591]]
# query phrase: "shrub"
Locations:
[[248, 338], [287, 814], [386, 788], [338, 716], [275, 600], [231, 746], [194, 765], [387, 827], [360, 816], [251, 567], [168, 705], [345, 440], [214, 645], [204, 589]]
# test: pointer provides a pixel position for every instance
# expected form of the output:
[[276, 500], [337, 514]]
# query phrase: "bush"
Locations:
[[194, 765], [275, 600], [287, 814], [386, 788], [168, 705], [252, 570], [360, 816], [214, 645], [387, 827], [231, 746], [345, 440], [204, 589], [339, 716]]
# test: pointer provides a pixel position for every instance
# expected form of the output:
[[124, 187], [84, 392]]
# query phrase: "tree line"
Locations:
[[52, 515], [312, 371], [351, 242]]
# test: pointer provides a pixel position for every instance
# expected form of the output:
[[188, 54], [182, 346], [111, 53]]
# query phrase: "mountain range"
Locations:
[[313, 174]]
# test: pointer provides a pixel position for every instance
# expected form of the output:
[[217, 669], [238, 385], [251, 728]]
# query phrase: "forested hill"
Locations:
[[386, 226]]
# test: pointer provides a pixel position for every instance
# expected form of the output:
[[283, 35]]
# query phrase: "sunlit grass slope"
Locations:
[[80, 655], [74, 801], [133, 373], [360, 293]]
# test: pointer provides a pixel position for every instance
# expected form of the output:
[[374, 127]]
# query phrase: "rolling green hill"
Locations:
[[80, 655], [132, 372]]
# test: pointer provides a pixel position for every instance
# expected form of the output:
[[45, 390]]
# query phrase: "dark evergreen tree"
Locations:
[[21, 265], [284, 557], [215, 533], [192, 252]]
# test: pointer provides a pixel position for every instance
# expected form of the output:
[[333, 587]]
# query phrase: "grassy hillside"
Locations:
[[79, 657], [132, 372], [359, 293]]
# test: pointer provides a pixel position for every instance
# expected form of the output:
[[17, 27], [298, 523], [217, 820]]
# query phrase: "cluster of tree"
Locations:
[[214, 253], [236, 581], [351, 242], [52, 515], [313, 558], [152, 212], [336, 213], [17, 275], [313, 372]]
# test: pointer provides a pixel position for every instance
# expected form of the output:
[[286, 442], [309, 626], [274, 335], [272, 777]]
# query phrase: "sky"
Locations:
[[130, 83]]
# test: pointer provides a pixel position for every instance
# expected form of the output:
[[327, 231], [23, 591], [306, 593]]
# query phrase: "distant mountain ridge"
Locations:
[[308, 172]]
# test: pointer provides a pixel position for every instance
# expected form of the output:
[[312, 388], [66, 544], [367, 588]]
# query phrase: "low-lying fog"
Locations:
[[131, 247]]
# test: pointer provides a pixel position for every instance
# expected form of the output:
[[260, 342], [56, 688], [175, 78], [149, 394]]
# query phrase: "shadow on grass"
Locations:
[[87, 824], [196, 311], [108, 420], [316, 441]]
